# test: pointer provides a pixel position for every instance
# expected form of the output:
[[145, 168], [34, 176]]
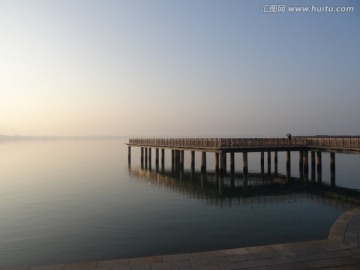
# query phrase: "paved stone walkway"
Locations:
[[340, 251]]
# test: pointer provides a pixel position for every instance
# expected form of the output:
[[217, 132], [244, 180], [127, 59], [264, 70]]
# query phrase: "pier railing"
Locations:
[[262, 142], [213, 143], [218, 143], [334, 142], [343, 142]]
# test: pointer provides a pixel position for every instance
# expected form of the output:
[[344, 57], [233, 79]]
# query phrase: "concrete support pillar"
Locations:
[[217, 162], [157, 159], [306, 165], [288, 165], [203, 162], [175, 160], [232, 163], [301, 164], [146, 158], [262, 162], [275, 162], [245, 163], [269, 161], [192, 161], [223, 163], [319, 166], [172, 159], [142, 157], [162, 159], [332, 169], [129, 155], [313, 166], [149, 158]]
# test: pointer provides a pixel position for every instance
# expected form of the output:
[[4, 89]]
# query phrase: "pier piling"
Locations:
[[129, 155], [301, 164], [245, 163], [146, 158], [162, 159], [232, 163], [150, 158], [319, 166], [192, 161], [223, 163], [288, 165], [332, 169], [269, 161], [157, 159], [275, 162], [203, 162], [217, 162], [142, 157], [262, 162], [221, 146], [313, 170], [306, 165]]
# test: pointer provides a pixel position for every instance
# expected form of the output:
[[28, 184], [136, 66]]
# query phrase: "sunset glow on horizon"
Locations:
[[177, 68]]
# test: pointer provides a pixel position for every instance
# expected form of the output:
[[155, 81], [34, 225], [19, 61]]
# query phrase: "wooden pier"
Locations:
[[221, 147]]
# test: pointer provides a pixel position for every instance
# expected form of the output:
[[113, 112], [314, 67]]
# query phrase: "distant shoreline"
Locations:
[[45, 138]]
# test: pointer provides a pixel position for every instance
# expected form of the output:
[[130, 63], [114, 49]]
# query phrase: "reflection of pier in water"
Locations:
[[254, 188]]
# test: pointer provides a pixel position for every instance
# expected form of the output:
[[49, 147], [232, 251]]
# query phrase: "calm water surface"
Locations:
[[77, 200]]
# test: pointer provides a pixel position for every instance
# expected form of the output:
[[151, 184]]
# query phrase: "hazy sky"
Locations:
[[178, 68]]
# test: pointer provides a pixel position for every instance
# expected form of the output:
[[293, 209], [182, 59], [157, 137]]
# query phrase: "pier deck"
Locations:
[[340, 251], [323, 143]]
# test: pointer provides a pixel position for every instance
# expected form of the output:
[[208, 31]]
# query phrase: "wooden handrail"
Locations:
[[345, 142]]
